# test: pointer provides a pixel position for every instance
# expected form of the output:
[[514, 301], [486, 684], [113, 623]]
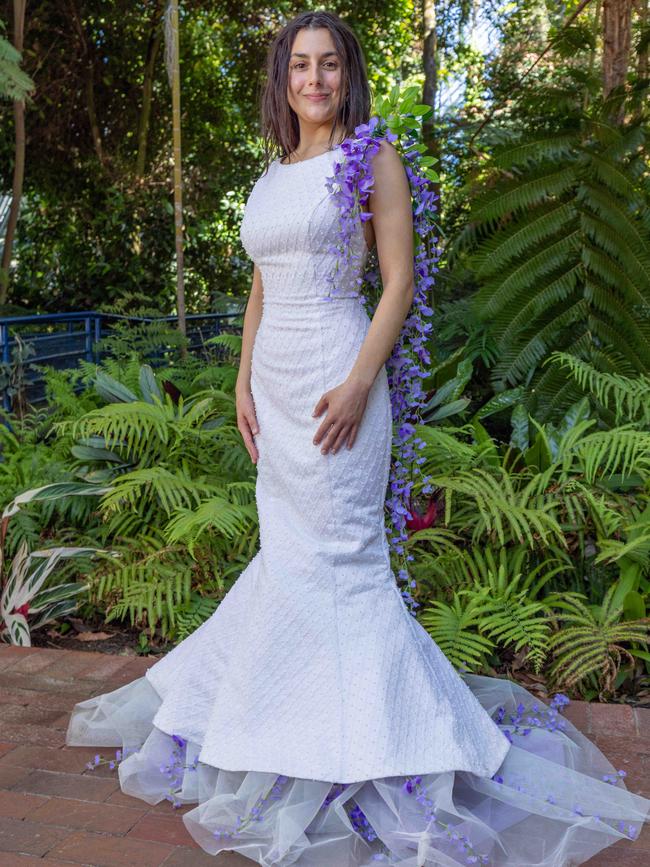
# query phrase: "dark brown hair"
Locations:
[[279, 122]]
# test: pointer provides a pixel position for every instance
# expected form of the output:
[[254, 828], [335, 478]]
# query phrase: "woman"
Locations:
[[311, 718]]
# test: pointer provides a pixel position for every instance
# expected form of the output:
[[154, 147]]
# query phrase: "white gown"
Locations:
[[300, 714]]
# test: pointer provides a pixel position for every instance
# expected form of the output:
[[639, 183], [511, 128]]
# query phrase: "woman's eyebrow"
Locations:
[[302, 54]]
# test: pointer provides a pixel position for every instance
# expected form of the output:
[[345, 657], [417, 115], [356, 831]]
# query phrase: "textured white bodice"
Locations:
[[289, 226]]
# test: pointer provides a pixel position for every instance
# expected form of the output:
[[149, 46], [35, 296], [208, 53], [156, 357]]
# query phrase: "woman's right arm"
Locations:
[[246, 417]]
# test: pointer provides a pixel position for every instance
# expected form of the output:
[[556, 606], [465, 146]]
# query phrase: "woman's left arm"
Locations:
[[392, 221]]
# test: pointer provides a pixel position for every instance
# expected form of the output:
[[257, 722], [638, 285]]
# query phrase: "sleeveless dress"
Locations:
[[311, 719]]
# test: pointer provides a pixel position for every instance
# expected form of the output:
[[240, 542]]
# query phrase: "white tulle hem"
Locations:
[[555, 801]]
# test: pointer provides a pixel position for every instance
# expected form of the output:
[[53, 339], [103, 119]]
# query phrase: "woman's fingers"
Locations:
[[326, 423], [248, 442], [320, 406], [324, 432], [339, 442], [353, 435], [345, 408], [335, 437], [247, 425], [323, 428]]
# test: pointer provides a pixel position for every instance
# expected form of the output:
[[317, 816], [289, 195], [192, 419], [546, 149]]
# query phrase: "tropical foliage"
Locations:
[[557, 507], [559, 234], [528, 547]]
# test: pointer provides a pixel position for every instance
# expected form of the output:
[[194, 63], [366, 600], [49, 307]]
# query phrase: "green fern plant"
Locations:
[[513, 618], [180, 498], [504, 507], [456, 627], [558, 241], [626, 399], [147, 584], [567, 487], [553, 506], [193, 613], [15, 84], [135, 331], [455, 565], [592, 640], [501, 611]]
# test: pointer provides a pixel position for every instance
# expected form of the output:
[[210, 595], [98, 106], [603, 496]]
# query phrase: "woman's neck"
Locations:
[[313, 142]]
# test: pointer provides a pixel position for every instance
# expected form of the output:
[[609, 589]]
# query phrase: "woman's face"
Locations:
[[314, 86]]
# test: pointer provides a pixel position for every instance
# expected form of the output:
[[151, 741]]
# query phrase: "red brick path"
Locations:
[[54, 811]]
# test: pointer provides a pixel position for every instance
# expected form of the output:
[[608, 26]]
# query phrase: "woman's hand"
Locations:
[[247, 419], [345, 404]]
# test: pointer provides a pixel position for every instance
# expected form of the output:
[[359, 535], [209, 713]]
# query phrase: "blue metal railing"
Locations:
[[60, 340]]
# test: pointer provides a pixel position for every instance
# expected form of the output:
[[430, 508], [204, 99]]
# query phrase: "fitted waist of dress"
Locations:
[[293, 301]]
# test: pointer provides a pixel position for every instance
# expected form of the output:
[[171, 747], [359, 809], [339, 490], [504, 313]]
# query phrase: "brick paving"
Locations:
[[55, 812]]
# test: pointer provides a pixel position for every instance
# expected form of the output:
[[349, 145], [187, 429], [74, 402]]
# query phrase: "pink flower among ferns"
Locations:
[[420, 521]]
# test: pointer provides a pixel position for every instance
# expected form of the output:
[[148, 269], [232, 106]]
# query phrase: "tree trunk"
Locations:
[[592, 54], [173, 68], [642, 59], [617, 30], [153, 47], [87, 52], [19, 159], [430, 91], [430, 66], [92, 112]]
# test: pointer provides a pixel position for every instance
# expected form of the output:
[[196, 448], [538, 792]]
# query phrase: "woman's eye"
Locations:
[[329, 63]]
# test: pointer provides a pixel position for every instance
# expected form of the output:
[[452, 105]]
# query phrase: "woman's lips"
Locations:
[[317, 97]]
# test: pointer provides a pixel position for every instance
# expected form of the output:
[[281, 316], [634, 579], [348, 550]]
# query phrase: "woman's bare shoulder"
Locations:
[[387, 158], [389, 174]]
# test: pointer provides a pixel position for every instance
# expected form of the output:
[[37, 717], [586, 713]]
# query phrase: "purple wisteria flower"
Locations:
[[414, 786]]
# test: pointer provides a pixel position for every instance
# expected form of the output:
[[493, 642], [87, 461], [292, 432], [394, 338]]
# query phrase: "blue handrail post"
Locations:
[[98, 337], [89, 339]]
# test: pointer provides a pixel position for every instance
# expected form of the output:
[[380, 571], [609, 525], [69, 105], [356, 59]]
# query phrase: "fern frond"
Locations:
[[560, 248], [503, 511], [500, 250], [173, 489], [193, 613], [137, 430], [591, 641], [629, 396], [622, 451], [512, 618], [536, 187], [217, 513], [455, 629]]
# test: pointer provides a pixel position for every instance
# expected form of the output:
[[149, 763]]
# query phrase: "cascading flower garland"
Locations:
[[350, 187]]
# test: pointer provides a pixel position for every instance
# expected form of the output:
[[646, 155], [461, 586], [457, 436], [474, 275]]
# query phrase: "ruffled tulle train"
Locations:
[[555, 801]]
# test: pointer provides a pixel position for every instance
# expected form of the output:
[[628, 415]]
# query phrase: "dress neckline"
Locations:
[[309, 159]]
